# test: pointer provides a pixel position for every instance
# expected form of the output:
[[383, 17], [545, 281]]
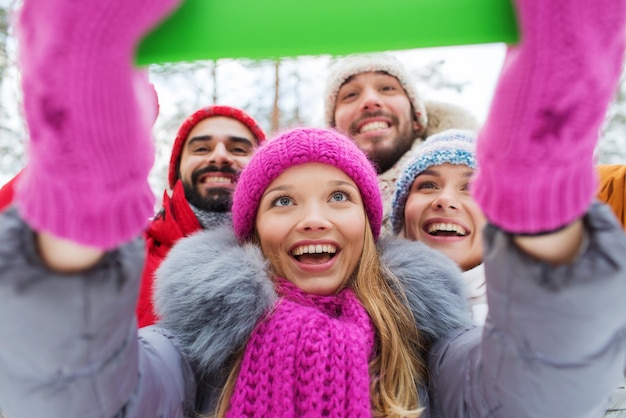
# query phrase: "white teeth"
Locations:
[[372, 126], [447, 228], [217, 179], [314, 249]]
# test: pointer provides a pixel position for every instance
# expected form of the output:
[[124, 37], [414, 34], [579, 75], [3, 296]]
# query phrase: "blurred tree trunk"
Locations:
[[275, 116], [297, 119], [214, 78], [12, 128]]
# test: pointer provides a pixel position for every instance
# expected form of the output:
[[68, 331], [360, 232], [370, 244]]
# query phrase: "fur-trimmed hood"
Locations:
[[210, 291], [442, 116]]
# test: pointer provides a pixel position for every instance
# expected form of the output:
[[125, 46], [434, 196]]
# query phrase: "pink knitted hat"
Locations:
[[195, 118], [296, 147]]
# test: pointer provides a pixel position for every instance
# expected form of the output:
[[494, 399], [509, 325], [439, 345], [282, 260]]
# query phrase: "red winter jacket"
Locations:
[[6, 193], [175, 221]]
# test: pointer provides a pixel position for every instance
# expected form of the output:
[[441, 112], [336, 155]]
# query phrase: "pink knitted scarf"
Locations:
[[308, 358]]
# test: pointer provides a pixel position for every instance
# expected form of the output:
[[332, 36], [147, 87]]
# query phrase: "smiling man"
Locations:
[[372, 99], [211, 147]]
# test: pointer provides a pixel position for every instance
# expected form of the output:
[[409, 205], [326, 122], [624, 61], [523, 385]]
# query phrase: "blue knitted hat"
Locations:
[[454, 146]]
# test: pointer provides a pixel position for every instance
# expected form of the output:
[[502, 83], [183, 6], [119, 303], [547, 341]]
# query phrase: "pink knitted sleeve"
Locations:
[[89, 114], [535, 152]]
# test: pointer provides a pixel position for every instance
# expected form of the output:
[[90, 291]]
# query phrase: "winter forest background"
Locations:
[[282, 93]]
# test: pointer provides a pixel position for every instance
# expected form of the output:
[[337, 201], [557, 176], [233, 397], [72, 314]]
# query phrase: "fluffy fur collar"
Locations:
[[442, 116], [210, 291]]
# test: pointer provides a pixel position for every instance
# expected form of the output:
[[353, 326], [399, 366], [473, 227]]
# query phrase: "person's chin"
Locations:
[[376, 136], [215, 192]]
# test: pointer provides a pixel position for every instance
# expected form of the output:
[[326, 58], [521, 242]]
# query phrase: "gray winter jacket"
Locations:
[[554, 344]]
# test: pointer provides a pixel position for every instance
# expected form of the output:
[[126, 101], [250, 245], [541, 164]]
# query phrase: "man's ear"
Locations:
[[417, 127]]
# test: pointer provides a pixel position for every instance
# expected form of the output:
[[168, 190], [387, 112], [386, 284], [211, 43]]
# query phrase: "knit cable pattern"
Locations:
[[89, 114], [453, 146], [535, 152], [308, 358], [300, 146]]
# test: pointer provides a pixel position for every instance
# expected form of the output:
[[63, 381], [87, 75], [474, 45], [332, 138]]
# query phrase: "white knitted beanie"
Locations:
[[350, 65]]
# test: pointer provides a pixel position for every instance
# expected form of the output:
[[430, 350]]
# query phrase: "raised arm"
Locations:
[[554, 341], [66, 256], [71, 254], [535, 152], [89, 114], [558, 247], [537, 176]]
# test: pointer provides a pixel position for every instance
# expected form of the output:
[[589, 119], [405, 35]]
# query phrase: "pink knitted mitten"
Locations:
[[89, 113], [535, 153]]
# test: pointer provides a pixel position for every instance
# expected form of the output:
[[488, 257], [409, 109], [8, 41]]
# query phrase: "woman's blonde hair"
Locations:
[[397, 368]]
